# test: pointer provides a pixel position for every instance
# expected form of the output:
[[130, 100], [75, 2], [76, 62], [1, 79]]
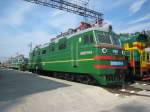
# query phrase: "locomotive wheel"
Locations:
[[65, 76], [80, 78], [70, 77], [86, 80], [55, 75]]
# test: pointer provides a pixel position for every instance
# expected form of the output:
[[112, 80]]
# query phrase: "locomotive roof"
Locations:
[[105, 29]]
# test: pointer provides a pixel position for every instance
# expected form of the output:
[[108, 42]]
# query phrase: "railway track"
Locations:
[[130, 90], [143, 82]]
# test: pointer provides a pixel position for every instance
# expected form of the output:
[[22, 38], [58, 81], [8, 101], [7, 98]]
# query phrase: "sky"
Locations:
[[22, 23]]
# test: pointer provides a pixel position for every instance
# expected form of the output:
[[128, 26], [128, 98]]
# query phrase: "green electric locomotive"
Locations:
[[83, 54]]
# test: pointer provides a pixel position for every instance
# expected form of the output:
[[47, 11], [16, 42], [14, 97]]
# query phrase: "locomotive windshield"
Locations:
[[107, 38], [115, 40], [103, 37]]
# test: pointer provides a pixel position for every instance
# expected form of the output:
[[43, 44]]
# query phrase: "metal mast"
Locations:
[[76, 8]]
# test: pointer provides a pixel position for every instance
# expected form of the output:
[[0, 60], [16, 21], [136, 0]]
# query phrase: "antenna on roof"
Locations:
[[30, 45]]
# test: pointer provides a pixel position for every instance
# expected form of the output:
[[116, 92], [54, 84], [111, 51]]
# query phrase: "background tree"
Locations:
[[148, 42]]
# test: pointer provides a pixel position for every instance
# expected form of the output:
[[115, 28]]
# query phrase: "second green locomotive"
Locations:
[[19, 62]]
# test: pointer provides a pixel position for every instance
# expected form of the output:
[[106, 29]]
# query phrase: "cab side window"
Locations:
[[88, 39], [44, 52], [51, 48], [33, 53], [62, 44], [39, 53], [148, 56]]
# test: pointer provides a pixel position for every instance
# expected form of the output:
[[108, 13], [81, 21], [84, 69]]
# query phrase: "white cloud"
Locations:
[[137, 5], [62, 22], [15, 15], [57, 12], [136, 27], [107, 5], [120, 2], [144, 18], [20, 42]]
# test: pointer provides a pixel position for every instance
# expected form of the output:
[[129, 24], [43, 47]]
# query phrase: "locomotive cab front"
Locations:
[[109, 58]]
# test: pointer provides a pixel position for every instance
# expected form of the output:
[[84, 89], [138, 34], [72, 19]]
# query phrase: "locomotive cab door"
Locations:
[[74, 53]]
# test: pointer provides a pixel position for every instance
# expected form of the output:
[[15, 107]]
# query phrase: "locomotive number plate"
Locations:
[[116, 63]]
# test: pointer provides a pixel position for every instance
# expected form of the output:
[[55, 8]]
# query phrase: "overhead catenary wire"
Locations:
[[76, 8]]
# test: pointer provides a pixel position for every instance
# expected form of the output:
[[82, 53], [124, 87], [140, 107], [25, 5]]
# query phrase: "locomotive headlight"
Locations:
[[104, 50]]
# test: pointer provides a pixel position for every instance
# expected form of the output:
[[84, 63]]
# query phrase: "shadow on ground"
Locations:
[[132, 108], [14, 84]]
